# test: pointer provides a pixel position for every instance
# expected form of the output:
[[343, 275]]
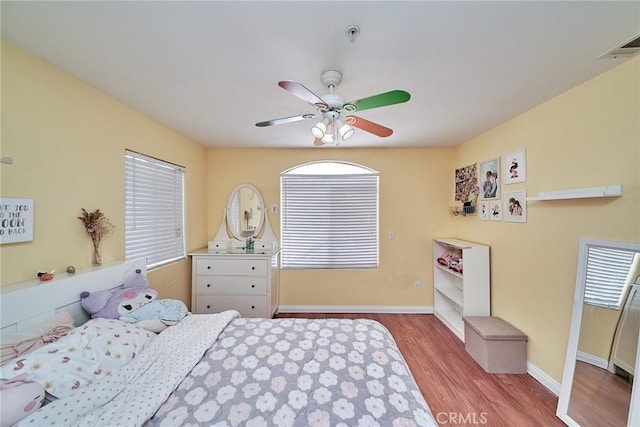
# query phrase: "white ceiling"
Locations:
[[209, 69]]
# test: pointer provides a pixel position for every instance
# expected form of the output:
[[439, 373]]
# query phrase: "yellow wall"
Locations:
[[588, 136], [415, 189], [67, 141]]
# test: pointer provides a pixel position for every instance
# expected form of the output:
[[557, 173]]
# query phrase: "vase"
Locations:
[[96, 255]]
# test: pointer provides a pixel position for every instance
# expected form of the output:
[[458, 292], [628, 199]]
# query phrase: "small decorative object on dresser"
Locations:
[[460, 292]]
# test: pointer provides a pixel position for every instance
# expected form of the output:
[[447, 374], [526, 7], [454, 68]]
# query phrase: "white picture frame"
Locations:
[[490, 179], [16, 220], [515, 206], [515, 167], [495, 210], [484, 210]]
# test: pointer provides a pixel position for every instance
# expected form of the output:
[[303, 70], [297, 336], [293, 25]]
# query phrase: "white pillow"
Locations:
[[87, 353]]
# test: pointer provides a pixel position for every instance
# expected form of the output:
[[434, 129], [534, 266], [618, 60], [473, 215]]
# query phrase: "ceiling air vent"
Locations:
[[629, 48]]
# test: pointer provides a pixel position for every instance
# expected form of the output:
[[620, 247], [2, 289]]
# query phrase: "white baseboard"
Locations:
[[400, 309], [543, 378], [593, 360]]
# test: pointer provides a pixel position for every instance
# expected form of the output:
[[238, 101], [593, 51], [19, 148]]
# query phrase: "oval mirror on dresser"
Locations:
[[245, 211], [598, 386]]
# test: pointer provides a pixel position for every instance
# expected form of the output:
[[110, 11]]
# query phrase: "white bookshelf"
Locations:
[[457, 295]]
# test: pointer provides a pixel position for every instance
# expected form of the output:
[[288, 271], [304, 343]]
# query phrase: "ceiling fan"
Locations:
[[332, 125]]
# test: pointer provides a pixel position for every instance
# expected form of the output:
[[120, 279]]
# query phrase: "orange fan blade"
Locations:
[[368, 126]]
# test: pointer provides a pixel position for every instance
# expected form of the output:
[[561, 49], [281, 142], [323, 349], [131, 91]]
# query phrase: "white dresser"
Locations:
[[234, 280]]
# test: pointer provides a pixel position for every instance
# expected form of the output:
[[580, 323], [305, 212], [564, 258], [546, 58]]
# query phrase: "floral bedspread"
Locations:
[[134, 392], [298, 372]]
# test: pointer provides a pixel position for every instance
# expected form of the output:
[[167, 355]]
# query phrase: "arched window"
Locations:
[[329, 216]]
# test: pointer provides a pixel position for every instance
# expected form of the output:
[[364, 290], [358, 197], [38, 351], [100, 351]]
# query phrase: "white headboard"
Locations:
[[28, 303]]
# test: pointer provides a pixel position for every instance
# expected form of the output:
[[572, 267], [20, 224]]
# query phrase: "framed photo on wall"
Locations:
[[515, 169], [467, 183], [515, 206], [490, 179], [495, 210], [484, 210]]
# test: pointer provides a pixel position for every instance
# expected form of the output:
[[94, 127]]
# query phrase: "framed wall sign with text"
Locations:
[[16, 220]]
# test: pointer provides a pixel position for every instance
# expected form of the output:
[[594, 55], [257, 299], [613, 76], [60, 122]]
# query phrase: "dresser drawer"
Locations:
[[247, 306], [232, 267], [231, 285]]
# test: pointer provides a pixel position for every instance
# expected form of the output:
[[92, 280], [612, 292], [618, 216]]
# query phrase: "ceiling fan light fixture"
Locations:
[[320, 129], [328, 136], [345, 130]]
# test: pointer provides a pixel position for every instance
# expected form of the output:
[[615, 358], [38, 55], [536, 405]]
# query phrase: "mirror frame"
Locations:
[[574, 335], [258, 229]]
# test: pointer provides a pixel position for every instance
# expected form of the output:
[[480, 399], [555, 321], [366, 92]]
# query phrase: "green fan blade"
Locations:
[[380, 100]]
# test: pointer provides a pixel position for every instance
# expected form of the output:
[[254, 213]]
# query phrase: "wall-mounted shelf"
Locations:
[[580, 193]]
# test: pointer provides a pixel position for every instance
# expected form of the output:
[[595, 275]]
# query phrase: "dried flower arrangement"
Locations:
[[97, 226]]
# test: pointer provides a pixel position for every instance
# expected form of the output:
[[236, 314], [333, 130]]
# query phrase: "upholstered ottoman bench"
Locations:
[[496, 345]]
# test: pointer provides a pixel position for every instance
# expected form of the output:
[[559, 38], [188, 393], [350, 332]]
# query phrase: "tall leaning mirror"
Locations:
[[598, 386]]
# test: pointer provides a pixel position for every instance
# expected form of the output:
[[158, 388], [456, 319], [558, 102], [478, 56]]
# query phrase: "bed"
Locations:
[[222, 369]]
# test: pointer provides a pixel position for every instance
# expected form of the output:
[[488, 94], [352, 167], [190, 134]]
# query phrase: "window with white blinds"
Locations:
[[329, 216], [609, 272], [154, 210]]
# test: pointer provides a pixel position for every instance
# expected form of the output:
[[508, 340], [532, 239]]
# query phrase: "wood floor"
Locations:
[[599, 398], [458, 390]]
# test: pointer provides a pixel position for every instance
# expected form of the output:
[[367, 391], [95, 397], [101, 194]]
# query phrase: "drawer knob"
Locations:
[[208, 285], [208, 306], [253, 286], [253, 268], [252, 307], [208, 267]]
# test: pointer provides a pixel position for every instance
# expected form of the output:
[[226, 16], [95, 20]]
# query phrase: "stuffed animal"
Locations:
[[115, 303], [135, 303], [170, 310], [456, 265], [19, 398], [445, 258], [451, 260], [157, 315]]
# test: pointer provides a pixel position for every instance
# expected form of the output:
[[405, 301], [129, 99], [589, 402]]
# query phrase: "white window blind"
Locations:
[[329, 219], [154, 210], [609, 271]]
